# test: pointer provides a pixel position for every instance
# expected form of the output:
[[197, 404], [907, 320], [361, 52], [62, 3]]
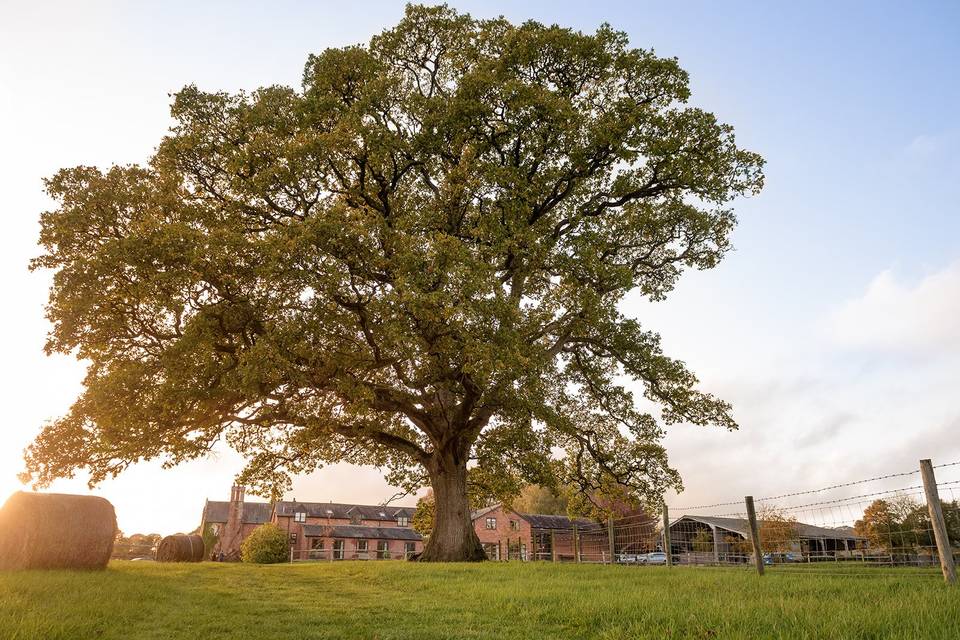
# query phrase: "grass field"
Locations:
[[394, 600]]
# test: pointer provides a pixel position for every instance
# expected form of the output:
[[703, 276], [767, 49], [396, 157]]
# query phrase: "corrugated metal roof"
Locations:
[[344, 511], [253, 512], [742, 527], [364, 533]]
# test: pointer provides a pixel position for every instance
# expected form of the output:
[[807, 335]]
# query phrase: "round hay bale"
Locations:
[[180, 547], [56, 531]]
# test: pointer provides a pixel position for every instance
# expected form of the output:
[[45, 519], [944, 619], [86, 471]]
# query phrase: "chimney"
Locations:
[[232, 534]]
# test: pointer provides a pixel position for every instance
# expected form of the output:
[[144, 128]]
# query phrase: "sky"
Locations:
[[833, 328]]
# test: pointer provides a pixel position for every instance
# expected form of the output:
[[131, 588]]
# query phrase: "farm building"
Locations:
[[506, 535], [316, 530], [231, 522], [320, 530], [715, 539]]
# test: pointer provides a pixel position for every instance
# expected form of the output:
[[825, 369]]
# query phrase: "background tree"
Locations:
[[422, 521], [877, 524], [535, 498], [413, 262], [137, 545], [778, 530], [607, 499], [901, 524]]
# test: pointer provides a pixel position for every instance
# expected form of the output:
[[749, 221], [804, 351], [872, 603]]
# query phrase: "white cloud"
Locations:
[[894, 315], [929, 145]]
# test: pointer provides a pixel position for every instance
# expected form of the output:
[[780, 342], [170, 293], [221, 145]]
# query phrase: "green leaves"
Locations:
[[417, 256]]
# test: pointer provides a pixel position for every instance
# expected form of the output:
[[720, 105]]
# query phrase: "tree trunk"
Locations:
[[453, 538]]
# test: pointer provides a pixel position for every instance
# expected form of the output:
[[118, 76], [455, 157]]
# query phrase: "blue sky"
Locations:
[[832, 327]]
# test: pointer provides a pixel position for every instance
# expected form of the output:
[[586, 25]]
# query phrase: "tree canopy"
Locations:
[[414, 261]]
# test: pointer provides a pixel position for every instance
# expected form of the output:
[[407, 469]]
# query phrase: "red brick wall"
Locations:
[[396, 550], [504, 532], [302, 543]]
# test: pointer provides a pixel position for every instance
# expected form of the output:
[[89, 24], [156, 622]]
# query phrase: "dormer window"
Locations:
[[300, 516], [355, 517], [402, 521]]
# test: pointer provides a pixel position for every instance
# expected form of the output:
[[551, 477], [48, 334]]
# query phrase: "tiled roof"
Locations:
[[479, 513], [741, 526], [364, 533], [344, 511], [253, 512], [541, 521]]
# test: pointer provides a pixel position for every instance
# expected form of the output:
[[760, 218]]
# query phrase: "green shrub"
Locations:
[[267, 544]]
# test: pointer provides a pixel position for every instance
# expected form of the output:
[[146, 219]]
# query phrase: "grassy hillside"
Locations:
[[387, 600]]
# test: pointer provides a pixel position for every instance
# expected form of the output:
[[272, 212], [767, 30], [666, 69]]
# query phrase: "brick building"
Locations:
[[507, 535], [316, 530], [231, 522]]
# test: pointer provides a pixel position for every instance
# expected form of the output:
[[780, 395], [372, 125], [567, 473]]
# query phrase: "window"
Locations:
[[403, 521], [383, 550], [491, 523], [338, 549], [293, 538], [355, 517], [300, 516], [317, 543], [514, 525], [409, 548], [361, 545]]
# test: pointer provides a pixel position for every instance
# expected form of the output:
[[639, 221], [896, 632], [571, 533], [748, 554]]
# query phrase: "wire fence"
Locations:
[[908, 520]]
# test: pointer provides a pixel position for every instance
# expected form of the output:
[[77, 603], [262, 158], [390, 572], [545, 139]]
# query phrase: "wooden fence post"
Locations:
[[754, 534], [576, 544], [944, 550], [610, 537], [667, 547], [553, 545]]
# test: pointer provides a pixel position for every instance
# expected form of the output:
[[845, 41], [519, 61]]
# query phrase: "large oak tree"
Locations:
[[414, 262]]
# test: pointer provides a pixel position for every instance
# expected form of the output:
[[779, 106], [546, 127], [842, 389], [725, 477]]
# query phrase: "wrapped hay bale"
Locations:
[[180, 548], [56, 531]]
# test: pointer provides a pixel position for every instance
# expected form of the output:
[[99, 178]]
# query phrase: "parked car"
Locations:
[[657, 557], [629, 558], [782, 558]]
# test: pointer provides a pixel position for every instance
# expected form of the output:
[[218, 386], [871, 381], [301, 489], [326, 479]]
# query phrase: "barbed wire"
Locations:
[[811, 491]]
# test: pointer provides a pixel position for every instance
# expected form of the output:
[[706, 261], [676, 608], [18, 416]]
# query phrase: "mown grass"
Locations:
[[400, 600]]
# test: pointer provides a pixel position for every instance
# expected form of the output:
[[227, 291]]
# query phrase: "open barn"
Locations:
[[705, 539]]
